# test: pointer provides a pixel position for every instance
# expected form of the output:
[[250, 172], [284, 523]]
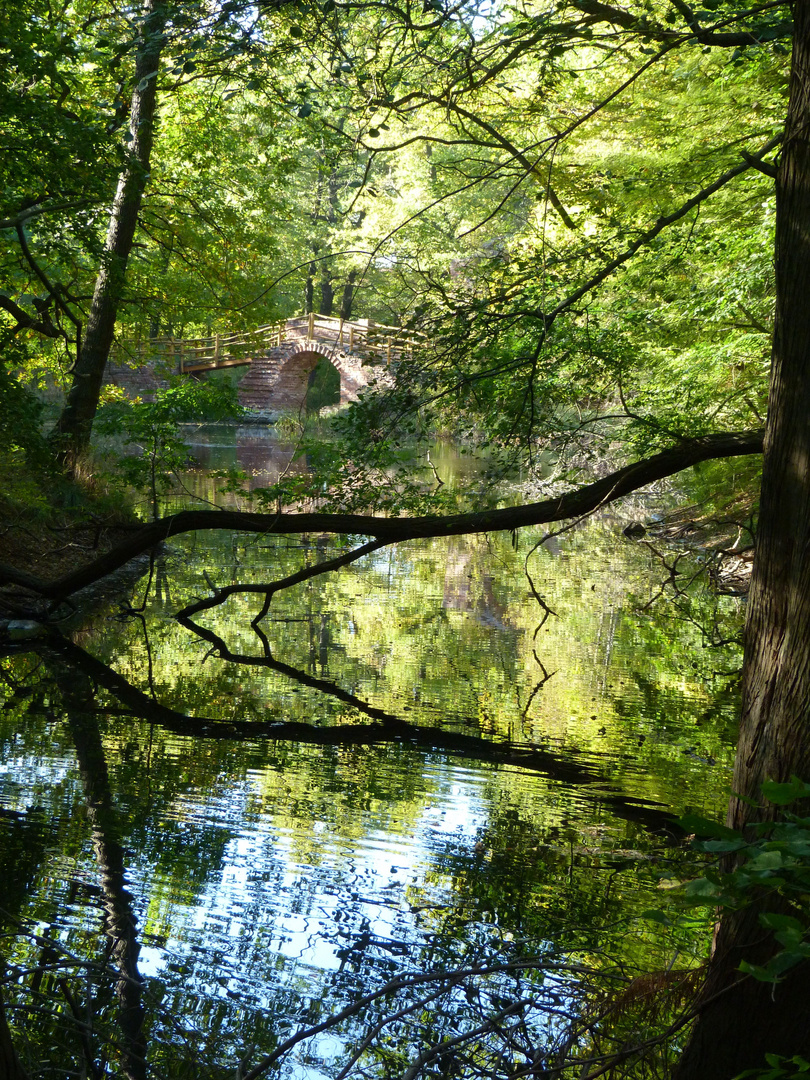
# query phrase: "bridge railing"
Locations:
[[370, 340]]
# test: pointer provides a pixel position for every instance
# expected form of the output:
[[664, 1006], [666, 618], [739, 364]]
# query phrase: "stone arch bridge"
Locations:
[[281, 358]]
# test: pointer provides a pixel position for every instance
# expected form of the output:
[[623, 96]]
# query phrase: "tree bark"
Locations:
[[750, 1018], [73, 428], [347, 300], [327, 291], [309, 288]]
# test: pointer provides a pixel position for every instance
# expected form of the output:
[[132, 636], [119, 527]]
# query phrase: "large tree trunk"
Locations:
[[327, 291], [750, 1019], [72, 430], [309, 288]]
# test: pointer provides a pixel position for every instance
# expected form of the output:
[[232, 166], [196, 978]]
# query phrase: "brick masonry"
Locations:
[[278, 379]]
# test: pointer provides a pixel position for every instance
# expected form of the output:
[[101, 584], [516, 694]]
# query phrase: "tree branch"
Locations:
[[750, 160], [762, 166], [728, 39], [37, 210], [26, 321], [394, 530]]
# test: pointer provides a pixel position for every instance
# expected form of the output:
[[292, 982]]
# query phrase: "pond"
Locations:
[[213, 836]]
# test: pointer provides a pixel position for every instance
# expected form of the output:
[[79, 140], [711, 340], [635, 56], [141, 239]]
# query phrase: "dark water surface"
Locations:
[[409, 769]]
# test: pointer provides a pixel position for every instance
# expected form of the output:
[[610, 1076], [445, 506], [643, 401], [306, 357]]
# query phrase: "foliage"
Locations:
[[474, 174], [158, 453], [772, 869], [780, 1068], [21, 416]]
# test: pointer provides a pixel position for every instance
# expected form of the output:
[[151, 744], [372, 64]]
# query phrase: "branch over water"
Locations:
[[392, 530]]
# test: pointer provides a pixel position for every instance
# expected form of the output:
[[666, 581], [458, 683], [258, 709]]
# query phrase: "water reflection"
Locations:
[[255, 450], [375, 778]]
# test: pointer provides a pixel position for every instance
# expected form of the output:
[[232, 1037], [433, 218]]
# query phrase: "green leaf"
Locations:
[[722, 847], [655, 915], [702, 888], [142, 85], [782, 794], [296, 31], [772, 921], [767, 860], [700, 826]]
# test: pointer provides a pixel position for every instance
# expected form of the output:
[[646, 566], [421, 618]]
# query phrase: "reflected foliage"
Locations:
[[385, 783]]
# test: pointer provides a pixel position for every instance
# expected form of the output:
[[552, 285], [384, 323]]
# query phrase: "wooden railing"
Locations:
[[372, 341]]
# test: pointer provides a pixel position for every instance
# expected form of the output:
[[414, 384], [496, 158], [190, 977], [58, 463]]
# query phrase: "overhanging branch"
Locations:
[[393, 530]]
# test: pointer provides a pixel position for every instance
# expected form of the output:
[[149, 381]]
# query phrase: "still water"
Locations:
[[409, 766]]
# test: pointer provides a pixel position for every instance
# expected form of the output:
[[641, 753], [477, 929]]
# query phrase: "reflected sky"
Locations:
[[273, 877]]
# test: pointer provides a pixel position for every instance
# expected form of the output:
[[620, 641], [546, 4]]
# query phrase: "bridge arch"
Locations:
[[279, 380]]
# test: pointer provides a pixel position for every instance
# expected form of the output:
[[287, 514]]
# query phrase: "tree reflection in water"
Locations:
[[242, 816], [489, 1010]]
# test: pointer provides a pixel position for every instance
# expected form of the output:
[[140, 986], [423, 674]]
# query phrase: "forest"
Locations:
[[591, 223]]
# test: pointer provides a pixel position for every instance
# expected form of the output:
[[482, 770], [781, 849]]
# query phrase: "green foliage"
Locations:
[[21, 416], [324, 387], [150, 428], [471, 177], [773, 868], [779, 1068]]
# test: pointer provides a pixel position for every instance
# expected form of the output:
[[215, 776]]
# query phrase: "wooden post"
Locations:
[[388, 352], [340, 334], [216, 349], [351, 339], [180, 356], [311, 325]]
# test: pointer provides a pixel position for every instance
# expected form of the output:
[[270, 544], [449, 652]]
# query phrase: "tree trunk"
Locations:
[[736, 1030], [348, 296], [309, 289], [72, 430], [327, 291]]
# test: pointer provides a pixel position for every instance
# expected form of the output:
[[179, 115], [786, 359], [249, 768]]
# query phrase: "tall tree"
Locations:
[[159, 48], [744, 1019], [75, 422]]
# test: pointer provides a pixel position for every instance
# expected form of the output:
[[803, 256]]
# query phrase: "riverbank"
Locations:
[[50, 526]]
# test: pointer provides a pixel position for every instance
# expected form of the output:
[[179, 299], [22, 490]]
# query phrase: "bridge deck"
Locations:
[[360, 337]]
